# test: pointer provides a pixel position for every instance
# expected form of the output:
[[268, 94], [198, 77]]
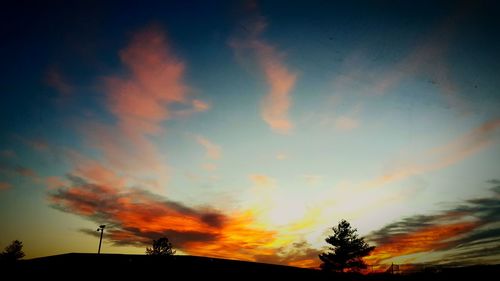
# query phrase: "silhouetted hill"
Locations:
[[69, 266], [143, 266]]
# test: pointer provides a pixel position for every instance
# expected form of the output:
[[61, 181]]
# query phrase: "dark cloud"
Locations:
[[135, 216], [474, 255], [17, 170]]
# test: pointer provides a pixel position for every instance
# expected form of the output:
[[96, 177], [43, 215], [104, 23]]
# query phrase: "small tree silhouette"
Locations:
[[348, 249], [161, 247], [13, 252]]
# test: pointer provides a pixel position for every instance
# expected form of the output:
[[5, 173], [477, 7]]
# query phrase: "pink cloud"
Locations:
[[194, 107], [276, 103], [141, 100], [55, 182], [281, 80], [213, 151], [199, 105]]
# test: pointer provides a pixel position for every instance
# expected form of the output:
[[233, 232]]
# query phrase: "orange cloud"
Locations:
[[137, 217], [306, 263], [262, 180], [443, 156], [459, 234], [281, 81], [426, 239], [5, 185], [213, 151]]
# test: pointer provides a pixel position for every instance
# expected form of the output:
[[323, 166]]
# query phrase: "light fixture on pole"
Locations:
[[101, 229]]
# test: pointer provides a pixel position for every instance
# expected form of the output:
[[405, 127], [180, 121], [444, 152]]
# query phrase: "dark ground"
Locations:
[[142, 267]]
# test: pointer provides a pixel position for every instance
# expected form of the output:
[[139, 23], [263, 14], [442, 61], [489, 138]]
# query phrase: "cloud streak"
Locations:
[[280, 79], [443, 156], [56, 80], [277, 102], [262, 180], [213, 151], [5, 185], [427, 59], [459, 234]]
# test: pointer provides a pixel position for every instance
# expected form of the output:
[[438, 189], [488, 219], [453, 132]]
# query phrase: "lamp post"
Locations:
[[101, 229]]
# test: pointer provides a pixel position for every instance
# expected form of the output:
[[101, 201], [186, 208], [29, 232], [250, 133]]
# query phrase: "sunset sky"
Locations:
[[247, 129]]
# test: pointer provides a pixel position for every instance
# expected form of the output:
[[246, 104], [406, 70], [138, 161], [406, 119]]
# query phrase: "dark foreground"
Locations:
[[70, 266]]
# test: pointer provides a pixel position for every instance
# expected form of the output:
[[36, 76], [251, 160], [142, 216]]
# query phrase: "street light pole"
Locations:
[[101, 229]]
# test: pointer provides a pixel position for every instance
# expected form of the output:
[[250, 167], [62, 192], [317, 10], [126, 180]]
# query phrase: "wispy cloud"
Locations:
[[213, 151], [195, 106], [277, 101], [460, 234], [25, 172], [37, 144], [54, 182], [5, 185], [8, 153], [17, 170], [443, 156], [346, 123], [427, 59], [262, 180], [281, 80], [281, 156], [56, 80], [209, 166], [313, 179]]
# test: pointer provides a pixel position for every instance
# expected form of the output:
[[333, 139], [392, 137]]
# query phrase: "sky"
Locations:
[[248, 129]]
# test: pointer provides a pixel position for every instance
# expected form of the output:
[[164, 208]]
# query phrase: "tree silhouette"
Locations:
[[348, 249], [13, 252], [161, 247]]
